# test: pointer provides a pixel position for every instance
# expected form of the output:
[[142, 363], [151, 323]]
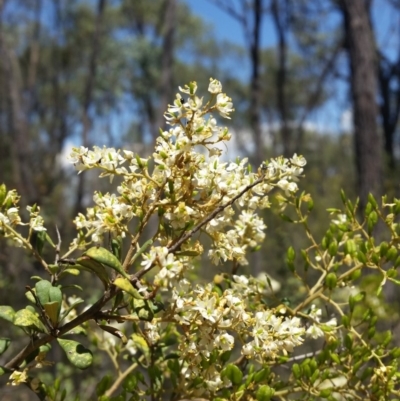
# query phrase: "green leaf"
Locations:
[[371, 221], [86, 263], [264, 393], [4, 344], [26, 318], [141, 344], [372, 200], [392, 254], [334, 357], [3, 193], [71, 270], [346, 321], [331, 280], [140, 251], [145, 314], [232, 373], [225, 356], [7, 313], [296, 370], [38, 240], [76, 353], [116, 246], [284, 217], [30, 296], [144, 309], [325, 393], [106, 258], [103, 385], [343, 196], [42, 288], [261, 375], [52, 310], [291, 254], [55, 295], [2, 371], [49, 240], [333, 248], [125, 285], [130, 383]]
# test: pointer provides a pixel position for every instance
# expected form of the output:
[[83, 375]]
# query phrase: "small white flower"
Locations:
[[224, 105], [13, 215], [287, 186], [224, 341], [215, 86], [314, 332]]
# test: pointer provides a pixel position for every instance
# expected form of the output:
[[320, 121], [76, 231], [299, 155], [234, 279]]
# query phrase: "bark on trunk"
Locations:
[[87, 99], [278, 18], [363, 67], [390, 105], [166, 63], [255, 99]]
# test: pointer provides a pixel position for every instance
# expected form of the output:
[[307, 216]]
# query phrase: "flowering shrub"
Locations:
[[170, 337]]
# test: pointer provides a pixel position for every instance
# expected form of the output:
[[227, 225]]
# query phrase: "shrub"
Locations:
[[170, 336]]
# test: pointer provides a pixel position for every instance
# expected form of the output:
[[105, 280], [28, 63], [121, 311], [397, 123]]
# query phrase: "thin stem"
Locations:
[[121, 378]]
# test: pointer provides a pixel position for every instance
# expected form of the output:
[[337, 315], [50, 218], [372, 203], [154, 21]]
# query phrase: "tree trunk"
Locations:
[[363, 67], [88, 97], [279, 17], [20, 151], [390, 104], [255, 101], [167, 58]]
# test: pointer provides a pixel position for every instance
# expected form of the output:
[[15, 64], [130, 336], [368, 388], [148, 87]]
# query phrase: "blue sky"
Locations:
[[335, 114], [328, 118]]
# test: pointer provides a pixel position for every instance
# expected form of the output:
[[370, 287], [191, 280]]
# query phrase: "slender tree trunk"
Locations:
[[166, 63], [390, 105], [255, 97], [88, 97], [279, 17], [20, 151], [362, 57]]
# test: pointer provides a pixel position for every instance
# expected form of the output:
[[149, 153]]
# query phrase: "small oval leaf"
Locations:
[[232, 373], [4, 344], [125, 285], [7, 313], [86, 263], [264, 393], [26, 318], [105, 257], [77, 354], [42, 288], [52, 309]]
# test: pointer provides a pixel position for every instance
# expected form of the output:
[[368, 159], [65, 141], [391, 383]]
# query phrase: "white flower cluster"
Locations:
[[211, 322], [314, 331], [170, 266], [186, 185], [10, 218]]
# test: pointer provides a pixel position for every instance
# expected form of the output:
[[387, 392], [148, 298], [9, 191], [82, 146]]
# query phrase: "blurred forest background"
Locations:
[[320, 78]]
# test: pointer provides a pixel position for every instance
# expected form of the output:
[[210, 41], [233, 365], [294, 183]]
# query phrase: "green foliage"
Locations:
[[76, 353]]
